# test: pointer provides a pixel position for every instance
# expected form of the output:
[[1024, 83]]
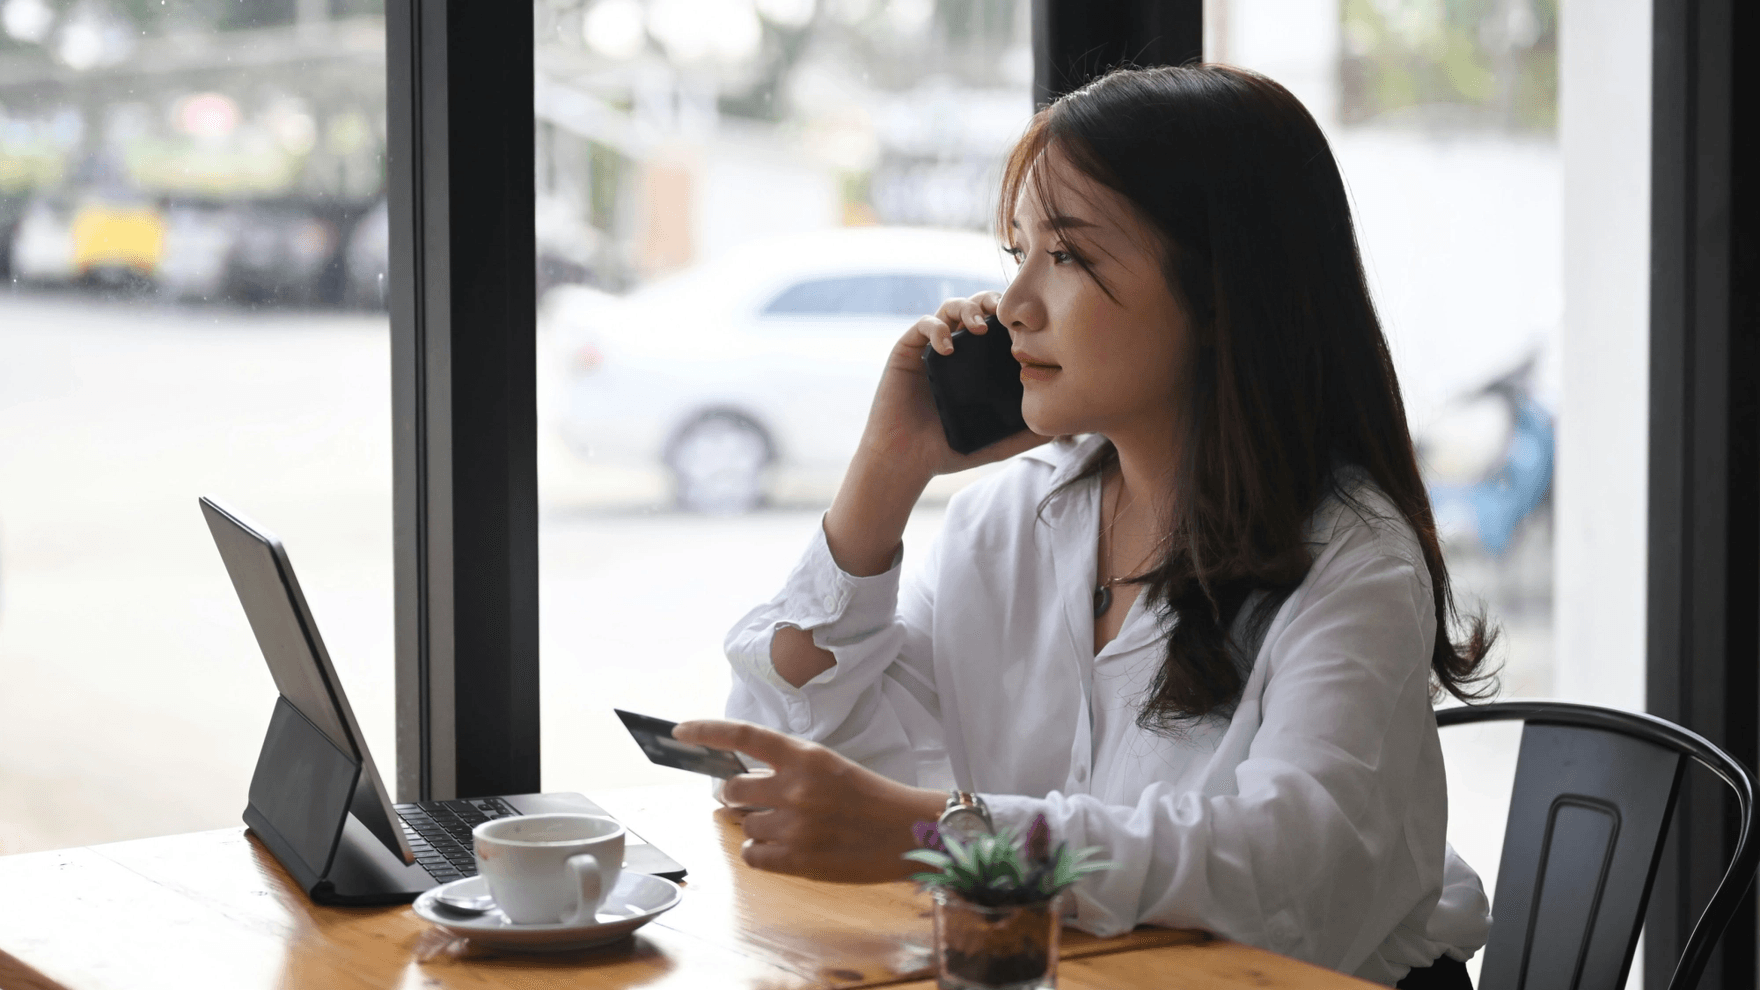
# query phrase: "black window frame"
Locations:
[[1703, 630], [463, 352], [459, 163]]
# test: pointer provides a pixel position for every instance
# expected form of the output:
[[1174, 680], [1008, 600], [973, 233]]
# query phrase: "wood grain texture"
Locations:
[[836, 935], [214, 909], [15, 975], [1214, 965]]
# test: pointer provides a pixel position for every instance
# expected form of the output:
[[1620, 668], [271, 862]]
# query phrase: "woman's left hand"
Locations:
[[817, 814]]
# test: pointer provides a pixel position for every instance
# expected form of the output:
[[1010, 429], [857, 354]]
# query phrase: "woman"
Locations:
[[1203, 627]]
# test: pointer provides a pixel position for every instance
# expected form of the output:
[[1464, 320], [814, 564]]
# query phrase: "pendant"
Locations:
[[1102, 600]]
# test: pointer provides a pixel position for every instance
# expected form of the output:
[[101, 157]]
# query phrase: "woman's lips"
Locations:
[[1033, 369]]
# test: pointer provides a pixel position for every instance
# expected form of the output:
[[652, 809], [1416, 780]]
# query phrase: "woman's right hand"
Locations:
[[903, 427], [903, 445]]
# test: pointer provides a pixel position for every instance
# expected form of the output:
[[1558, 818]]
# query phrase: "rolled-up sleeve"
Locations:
[[1315, 852], [874, 704]]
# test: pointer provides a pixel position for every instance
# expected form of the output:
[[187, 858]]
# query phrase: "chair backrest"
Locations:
[[1594, 790]]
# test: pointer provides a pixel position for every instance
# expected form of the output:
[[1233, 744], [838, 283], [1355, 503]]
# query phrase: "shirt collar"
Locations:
[[1066, 456], [1075, 521]]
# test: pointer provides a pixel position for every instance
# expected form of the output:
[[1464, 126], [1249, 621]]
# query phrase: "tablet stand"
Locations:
[[307, 800]]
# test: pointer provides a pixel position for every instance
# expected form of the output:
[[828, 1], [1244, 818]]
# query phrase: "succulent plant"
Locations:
[[1003, 869]]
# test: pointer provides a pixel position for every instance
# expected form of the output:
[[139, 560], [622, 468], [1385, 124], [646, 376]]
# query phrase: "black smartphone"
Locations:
[[977, 388], [654, 735]]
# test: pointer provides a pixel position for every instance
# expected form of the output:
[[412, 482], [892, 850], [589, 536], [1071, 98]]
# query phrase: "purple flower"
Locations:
[[1038, 839], [928, 836]]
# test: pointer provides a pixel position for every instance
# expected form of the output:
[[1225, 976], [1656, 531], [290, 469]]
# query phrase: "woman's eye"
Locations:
[[1061, 257], [1016, 253]]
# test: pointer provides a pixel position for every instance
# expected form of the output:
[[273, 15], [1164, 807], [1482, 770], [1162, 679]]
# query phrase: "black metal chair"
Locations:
[[1594, 790]]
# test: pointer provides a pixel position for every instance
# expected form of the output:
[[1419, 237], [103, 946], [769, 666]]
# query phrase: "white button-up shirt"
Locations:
[[1310, 821]]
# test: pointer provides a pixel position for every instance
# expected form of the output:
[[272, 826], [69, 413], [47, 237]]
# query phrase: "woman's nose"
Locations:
[[1018, 310]]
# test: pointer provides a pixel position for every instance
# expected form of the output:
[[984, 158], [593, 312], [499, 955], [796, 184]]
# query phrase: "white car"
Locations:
[[764, 357]]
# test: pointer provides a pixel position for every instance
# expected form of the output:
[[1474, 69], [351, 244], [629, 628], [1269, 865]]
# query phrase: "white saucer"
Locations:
[[636, 900]]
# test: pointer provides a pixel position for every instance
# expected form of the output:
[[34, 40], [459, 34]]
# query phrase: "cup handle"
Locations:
[[591, 891]]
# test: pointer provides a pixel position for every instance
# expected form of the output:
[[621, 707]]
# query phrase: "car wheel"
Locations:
[[718, 464]]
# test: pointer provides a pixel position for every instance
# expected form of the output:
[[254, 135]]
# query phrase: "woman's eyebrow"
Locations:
[[1063, 222], [1059, 222]]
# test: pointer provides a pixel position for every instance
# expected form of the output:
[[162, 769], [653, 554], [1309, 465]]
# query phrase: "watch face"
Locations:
[[964, 824]]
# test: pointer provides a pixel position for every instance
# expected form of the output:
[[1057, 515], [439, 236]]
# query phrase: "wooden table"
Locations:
[[214, 909]]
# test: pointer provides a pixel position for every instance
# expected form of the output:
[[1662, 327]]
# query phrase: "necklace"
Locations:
[[1103, 591], [1102, 599]]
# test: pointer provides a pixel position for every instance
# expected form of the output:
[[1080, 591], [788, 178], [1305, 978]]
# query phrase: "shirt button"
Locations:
[[830, 603], [1081, 774]]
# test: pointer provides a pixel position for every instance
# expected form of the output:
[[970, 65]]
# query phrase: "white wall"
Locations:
[[1462, 241], [1604, 133], [749, 187], [1295, 42], [1460, 232]]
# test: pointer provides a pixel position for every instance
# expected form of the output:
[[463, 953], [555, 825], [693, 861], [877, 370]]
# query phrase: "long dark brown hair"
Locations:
[[1290, 374]]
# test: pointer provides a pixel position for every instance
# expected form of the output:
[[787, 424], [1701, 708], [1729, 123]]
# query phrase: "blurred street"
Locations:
[[134, 695], [135, 698]]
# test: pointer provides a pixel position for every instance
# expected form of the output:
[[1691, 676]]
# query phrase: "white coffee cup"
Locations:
[[545, 869]]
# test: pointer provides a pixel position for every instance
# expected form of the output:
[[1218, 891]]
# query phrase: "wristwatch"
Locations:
[[965, 817]]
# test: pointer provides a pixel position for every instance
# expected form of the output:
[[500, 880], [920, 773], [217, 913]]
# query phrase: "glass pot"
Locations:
[[995, 948]]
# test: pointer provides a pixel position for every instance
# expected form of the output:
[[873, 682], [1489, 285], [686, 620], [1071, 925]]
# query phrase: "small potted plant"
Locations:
[[997, 914]]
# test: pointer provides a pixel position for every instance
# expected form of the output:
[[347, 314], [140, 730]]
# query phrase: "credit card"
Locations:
[[654, 735]]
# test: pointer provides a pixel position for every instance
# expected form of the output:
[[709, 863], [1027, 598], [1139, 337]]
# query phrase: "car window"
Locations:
[[874, 295]]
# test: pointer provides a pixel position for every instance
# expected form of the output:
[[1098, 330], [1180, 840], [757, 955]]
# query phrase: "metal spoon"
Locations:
[[479, 904]]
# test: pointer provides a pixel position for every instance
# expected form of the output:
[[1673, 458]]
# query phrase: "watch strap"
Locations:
[[958, 800]]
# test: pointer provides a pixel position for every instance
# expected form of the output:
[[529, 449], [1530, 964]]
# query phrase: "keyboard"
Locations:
[[439, 832]]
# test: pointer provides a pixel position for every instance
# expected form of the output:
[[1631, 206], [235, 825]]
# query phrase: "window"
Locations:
[[774, 158], [194, 257]]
